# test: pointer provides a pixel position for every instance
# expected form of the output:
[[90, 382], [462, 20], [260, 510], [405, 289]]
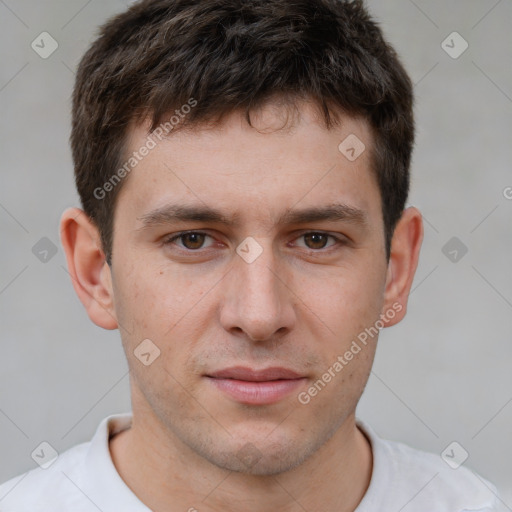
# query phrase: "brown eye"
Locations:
[[316, 240], [193, 241]]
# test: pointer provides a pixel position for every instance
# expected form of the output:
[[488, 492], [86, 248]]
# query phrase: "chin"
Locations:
[[263, 458]]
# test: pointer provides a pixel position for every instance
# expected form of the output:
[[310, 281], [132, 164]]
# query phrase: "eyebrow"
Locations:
[[186, 213]]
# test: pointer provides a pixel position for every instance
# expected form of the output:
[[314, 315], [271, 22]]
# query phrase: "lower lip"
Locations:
[[257, 393]]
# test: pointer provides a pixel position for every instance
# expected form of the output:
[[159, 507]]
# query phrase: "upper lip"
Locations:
[[248, 374]]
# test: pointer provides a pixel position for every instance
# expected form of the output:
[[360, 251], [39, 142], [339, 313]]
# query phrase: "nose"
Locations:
[[257, 301]]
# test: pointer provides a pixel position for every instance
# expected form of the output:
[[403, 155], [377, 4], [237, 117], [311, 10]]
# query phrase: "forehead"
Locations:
[[257, 170]]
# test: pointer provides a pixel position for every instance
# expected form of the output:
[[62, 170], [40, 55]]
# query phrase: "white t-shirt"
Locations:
[[84, 479]]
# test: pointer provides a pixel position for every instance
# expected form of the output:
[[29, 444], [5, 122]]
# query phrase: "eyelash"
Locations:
[[339, 241]]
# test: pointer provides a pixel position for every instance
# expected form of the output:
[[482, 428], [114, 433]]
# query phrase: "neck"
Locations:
[[176, 479]]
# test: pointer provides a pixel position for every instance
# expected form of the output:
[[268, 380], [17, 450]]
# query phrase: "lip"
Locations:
[[250, 375], [256, 387]]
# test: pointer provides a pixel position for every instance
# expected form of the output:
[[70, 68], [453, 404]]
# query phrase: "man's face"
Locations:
[[291, 300]]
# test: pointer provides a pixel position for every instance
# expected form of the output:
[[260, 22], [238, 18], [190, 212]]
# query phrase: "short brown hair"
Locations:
[[233, 55]]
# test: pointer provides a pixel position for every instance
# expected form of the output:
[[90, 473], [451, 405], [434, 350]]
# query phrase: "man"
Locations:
[[243, 169]]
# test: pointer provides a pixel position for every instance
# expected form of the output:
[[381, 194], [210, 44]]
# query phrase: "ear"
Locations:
[[87, 267], [405, 250]]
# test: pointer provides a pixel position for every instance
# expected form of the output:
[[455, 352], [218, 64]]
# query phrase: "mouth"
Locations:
[[256, 387]]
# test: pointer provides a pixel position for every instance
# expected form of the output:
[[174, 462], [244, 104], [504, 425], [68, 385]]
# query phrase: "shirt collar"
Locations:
[[104, 486]]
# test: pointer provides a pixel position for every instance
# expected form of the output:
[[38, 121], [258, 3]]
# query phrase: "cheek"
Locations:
[[347, 301], [344, 307], [168, 308], [151, 305], [149, 302]]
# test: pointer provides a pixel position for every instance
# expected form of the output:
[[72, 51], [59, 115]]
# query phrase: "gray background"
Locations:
[[443, 374]]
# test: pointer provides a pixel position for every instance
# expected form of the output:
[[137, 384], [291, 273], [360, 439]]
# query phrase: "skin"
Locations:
[[299, 305]]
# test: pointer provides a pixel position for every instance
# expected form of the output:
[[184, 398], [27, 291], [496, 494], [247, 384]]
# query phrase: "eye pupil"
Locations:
[[318, 240]]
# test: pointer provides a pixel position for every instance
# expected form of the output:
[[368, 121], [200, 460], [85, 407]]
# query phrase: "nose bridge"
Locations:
[[259, 303]]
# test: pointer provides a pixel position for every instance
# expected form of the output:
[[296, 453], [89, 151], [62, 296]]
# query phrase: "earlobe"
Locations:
[[87, 267], [405, 249]]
